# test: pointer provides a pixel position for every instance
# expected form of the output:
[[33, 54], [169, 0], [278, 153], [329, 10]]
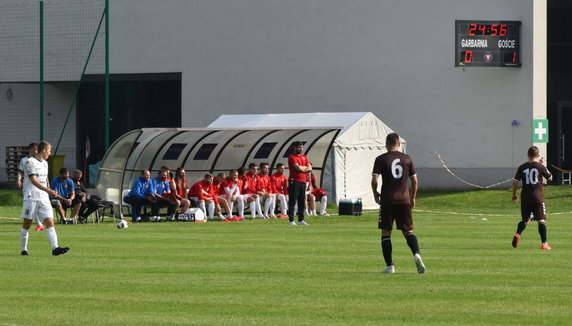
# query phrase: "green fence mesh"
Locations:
[[69, 30]]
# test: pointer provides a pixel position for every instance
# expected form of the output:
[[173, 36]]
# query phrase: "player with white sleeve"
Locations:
[[32, 150], [37, 199]]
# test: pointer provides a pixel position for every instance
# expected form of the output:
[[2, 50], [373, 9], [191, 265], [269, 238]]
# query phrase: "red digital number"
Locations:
[[482, 29], [472, 29], [495, 30], [514, 56], [503, 30], [469, 56]]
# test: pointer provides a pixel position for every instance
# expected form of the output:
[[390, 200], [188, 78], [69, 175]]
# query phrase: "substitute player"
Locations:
[[37, 199], [531, 174], [396, 199]]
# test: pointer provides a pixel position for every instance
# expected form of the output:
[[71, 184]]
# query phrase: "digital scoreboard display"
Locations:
[[486, 43]]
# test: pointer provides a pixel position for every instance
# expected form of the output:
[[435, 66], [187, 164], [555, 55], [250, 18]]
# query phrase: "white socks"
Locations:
[[52, 237], [240, 202], [24, 239], [211, 210], [268, 205], [253, 209], [202, 206], [38, 222], [283, 204], [258, 209], [323, 204]]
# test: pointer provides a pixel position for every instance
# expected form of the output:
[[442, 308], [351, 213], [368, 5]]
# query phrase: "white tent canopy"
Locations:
[[348, 168]]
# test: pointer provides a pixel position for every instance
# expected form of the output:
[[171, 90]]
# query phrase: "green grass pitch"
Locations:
[[270, 273]]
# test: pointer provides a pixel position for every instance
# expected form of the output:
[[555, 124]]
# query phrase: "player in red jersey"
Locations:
[[280, 187], [299, 165], [313, 194], [230, 190], [203, 193], [266, 191], [250, 190], [531, 174], [396, 199], [217, 183]]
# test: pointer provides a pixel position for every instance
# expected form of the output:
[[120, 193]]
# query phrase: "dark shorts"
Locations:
[[64, 204], [538, 210], [401, 214]]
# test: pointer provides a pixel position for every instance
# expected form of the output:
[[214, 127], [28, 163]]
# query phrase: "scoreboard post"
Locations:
[[487, 43]]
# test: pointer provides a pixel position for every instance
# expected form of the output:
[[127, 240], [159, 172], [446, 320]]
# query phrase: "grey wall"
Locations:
[[393, 58], [20, 123]]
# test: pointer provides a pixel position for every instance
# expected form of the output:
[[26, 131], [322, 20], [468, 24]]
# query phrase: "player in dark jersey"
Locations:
[[396, 199], [531, 174]]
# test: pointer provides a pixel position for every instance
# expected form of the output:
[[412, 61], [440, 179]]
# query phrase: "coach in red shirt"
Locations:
[[298, 164]]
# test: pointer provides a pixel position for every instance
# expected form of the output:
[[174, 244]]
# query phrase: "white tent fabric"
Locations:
[[348, 170]]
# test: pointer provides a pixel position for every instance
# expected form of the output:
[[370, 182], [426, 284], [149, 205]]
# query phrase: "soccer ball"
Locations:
[[122, 224]]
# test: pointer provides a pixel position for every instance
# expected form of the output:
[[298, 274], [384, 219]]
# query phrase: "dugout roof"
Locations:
[[202, 150]]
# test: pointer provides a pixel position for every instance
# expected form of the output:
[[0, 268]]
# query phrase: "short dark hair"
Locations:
[[32, 145], [297, 143], [208, 175], [63, 170], [392, 140], [279, 165], [251, 165], [263, 164], [43, 144], [533, 151]]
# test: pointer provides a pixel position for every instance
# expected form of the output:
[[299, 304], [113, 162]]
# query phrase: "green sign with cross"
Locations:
[[540, 131]]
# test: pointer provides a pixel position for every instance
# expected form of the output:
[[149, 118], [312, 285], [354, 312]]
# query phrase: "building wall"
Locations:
[[393, 58], [69, 30], [20, 123]]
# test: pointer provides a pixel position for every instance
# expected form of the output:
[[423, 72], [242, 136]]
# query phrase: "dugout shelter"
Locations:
[[347, 171], [202, 150]]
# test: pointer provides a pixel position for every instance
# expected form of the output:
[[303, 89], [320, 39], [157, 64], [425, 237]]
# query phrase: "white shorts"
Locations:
[[36, 208]]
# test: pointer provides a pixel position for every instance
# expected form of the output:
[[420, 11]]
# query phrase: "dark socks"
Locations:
[[412, 243], [386, 248], [542, 231], [521, 226]]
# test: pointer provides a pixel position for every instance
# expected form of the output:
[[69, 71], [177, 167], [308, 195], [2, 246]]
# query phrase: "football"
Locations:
[[122, 224]]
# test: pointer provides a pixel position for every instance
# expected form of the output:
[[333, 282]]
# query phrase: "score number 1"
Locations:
[[467, 57]]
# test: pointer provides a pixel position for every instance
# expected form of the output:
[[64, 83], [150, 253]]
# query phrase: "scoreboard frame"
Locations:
[[487, 43]]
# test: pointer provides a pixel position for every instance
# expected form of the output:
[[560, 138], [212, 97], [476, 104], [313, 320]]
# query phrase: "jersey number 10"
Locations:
[[531, 176]]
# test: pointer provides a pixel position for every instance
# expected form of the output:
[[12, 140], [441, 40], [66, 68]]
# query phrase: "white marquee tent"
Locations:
[[347, 172]]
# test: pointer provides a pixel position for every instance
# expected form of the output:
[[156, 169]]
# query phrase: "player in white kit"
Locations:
[[37, 199], [32, 150]]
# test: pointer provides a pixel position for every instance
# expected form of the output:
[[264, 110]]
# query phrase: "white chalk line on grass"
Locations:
[[479, 214], [9, 218]]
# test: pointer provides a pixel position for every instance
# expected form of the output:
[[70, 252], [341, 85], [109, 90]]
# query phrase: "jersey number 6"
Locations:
[[396, 169]]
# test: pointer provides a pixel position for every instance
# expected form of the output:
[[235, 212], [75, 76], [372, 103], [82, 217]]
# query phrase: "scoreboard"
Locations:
[[487, 43]]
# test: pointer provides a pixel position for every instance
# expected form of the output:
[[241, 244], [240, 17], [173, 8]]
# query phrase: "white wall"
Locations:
[[393, 58]]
